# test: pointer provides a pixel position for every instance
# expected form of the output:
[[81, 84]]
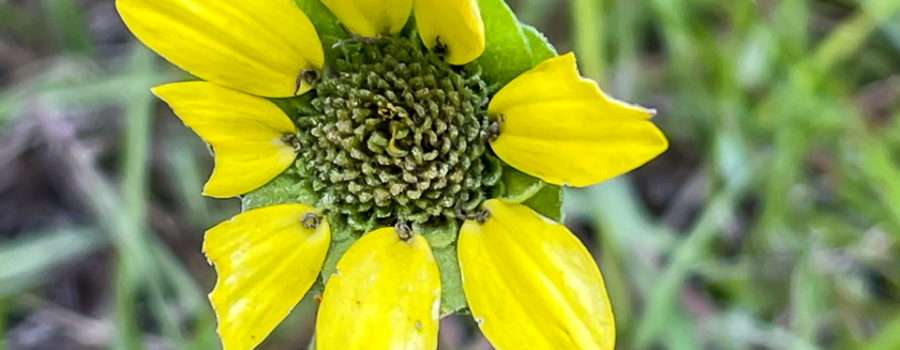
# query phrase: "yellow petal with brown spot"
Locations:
[[247, 133], [454, 26], [266, 260], [531, 284], [258, 47], [385, 294]]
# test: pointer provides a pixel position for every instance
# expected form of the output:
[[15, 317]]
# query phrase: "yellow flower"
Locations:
[[528, 281]]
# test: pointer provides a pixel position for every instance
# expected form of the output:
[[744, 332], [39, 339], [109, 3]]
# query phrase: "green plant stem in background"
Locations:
[[589, 35], [134, 264], [128, 332], [134, 188], [26, 264], [138, 129], [70, 26], [3, 311], [534, 12], [185, 173]]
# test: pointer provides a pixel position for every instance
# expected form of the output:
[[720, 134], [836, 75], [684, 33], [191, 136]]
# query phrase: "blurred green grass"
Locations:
[[772, 223]]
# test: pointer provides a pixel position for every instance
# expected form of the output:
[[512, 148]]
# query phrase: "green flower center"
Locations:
[[401, 136]]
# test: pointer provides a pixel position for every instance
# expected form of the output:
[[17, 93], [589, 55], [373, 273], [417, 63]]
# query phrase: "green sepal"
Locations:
[[507, 53], [335, 253], [296, 106], [453, 299], [361, 223], [518, 186], [285, 189], [329, 267], [340, 229], [327, 25], [541, 48], [343, 235], [493, 170], [548, 202], [440, 234]]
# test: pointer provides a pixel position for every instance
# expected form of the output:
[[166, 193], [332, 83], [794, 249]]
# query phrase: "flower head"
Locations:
[[403, 168]]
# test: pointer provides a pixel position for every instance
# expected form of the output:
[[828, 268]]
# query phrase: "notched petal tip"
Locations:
[[371, 18], [561, 128], [246, 133]]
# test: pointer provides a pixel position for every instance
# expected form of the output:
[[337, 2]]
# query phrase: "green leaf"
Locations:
[[284, 189], [508, 52], [453, 299], [29, 261], [548, 202], [541, 48]]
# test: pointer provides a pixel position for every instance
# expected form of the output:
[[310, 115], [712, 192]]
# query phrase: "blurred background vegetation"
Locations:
[[772, 223]]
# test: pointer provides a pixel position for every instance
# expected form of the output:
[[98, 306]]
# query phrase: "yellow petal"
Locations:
[[385, 294], [559, 127], [455, 25], [259, 47], [266, 260], [531, 284], [247, 134], [371, 18]]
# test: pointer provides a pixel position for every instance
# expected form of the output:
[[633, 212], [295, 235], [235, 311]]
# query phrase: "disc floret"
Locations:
[[401, 135]]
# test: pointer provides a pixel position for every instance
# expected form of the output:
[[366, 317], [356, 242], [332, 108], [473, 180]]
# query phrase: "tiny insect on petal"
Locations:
[[266, 260], [453, 26], [559, 127], [385, 295], [249, 135], [531, 284], [259, 47]]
